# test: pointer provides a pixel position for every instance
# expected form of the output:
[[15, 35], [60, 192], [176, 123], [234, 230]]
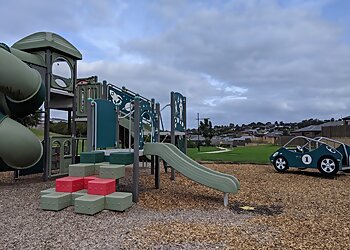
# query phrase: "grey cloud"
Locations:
[[154, 81], [290, 62], [293, 63], [68, 18]]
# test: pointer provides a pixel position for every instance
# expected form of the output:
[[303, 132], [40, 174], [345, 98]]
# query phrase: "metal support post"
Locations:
[[90, 127], [152, 164], [104, 90], [117, 127], [172, 131], [47, 146], [74, 114], [136, 168], [198, 143], [156, 158], [185, 125], [154, 125]]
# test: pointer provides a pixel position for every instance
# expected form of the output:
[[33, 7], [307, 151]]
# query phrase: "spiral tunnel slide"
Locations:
[[21, 93]]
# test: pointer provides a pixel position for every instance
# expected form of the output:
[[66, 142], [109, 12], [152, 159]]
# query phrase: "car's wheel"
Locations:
[[280, 163], [328, 166]]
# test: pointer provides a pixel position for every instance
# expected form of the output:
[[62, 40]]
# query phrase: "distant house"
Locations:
[[315, 130], [57, 120], [230, 141], [272, 137], [346, 120], [250, 131], [196, 139]]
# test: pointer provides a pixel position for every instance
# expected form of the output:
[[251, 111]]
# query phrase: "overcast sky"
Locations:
[[236, 61]]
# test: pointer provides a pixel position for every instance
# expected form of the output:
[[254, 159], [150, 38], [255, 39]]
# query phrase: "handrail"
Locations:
[[316, 140], [94, 105], [335, 141], [124, 89]]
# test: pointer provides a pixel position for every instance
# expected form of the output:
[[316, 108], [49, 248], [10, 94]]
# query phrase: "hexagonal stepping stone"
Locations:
[[121, 158], [69, 184], [47, 191], [118, 201], [92, 157], [55, 201], [78, 194], [101, 186], [89, 204], [81, 169], [112, 171], [89, 178]]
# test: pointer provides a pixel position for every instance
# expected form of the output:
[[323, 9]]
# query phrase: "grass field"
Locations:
[[249, 154], [40, 133]]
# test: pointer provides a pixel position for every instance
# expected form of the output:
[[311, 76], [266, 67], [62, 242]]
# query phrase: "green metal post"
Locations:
[[172, 132], [47, 146], [157, 167], [136, 168]]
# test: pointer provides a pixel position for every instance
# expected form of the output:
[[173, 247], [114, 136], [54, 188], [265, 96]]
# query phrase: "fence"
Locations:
[[339, 133], [336, 131], [286, 138]]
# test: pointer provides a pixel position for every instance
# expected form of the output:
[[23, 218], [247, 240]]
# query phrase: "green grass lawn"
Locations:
[[40, 133], [249, 154]]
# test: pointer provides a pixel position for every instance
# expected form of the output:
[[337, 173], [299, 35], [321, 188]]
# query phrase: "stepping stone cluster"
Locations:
[[91, 185]]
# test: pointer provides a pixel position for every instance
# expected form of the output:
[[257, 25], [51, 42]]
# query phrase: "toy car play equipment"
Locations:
[[327, 155]]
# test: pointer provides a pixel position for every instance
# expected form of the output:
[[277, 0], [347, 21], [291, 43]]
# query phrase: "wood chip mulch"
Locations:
[[295, 210]]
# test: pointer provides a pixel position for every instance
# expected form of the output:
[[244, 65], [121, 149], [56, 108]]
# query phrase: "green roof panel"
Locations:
[[41, 40]]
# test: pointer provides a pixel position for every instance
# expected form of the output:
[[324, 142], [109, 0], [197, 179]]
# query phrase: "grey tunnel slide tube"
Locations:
[[21, 93]]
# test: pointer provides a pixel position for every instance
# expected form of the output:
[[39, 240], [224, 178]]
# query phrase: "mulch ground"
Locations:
[[294, 210]]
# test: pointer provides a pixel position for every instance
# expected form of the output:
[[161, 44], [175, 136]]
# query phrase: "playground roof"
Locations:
[[42, 40]]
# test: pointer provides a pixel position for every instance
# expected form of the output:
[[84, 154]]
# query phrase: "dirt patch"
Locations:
[[251, 209]]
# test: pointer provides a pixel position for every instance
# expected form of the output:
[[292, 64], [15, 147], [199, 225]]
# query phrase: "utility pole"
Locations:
[[198, 143]]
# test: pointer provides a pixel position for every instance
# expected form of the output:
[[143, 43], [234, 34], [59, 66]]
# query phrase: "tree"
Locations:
[[59, 128], [81, 129], [206, 130], [31, 120]]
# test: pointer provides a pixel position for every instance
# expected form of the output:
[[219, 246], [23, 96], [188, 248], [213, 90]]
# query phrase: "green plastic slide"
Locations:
[[21, 93], [191, 169]]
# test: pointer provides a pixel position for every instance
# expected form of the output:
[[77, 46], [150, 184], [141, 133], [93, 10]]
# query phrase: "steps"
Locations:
[[90, 186]]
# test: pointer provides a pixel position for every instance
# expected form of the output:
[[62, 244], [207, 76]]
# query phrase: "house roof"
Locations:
[[195, 138], [318, 128], [274, 134], [311, 128]]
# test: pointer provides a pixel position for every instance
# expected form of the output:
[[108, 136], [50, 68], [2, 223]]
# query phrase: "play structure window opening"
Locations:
[[62, 71]]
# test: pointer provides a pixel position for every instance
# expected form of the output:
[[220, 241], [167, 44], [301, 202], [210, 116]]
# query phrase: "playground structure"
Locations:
[[47, 60], [109, 111], [145, 116]]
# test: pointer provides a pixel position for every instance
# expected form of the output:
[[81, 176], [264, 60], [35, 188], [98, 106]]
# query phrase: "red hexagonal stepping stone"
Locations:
[[87, 179], [69, 184], [101, 186]]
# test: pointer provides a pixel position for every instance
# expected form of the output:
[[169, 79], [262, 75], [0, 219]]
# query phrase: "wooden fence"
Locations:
[[336, 131], [339, 133]]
